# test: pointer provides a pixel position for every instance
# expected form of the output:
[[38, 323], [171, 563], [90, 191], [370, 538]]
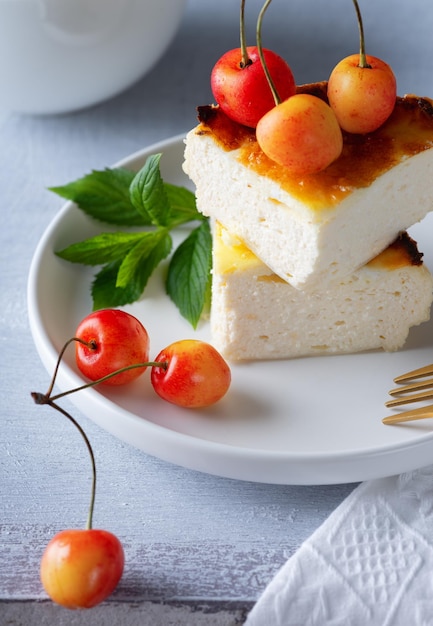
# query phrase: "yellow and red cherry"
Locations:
[[112, 345], [362, 97], [110, 340], [301, 134], [242, 90], [192, 374], [81, 567], [362, 89]]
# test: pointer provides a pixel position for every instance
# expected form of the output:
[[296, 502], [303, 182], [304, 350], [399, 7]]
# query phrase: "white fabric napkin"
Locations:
[[369, 564]]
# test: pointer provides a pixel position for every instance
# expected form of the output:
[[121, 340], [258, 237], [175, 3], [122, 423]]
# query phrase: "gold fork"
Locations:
[[406, 393]]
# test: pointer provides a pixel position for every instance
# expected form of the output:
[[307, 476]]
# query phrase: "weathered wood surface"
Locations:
[[199, 548]]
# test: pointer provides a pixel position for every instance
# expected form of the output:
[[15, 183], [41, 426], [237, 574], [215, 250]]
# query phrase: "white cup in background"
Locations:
[[58, 56]]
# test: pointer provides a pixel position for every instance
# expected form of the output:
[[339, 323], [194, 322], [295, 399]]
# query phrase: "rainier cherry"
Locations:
[[188, 372], [242, 89], [244, 86], [109, 340], [194, 374], [80, 568], [362, 89], [301, 133]]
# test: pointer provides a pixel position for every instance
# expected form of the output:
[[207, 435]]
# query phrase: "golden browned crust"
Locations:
[[229, 134], [315, 89], [403, 251], [407, 132], [408, 246], [420, 108]]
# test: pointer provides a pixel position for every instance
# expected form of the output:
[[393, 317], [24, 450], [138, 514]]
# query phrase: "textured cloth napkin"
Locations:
[[370, 563]]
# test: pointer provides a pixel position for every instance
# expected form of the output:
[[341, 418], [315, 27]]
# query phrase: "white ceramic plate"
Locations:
[[303, 421]]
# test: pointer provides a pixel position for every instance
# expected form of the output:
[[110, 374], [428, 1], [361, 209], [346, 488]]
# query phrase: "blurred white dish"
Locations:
[[315, 420], [62, 55]]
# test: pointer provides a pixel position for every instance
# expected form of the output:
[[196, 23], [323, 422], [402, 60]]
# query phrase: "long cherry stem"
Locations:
[[59, 359], [92, 383], [260, 51], [362, 56], [245, 58], [47, 398], [42, 399]]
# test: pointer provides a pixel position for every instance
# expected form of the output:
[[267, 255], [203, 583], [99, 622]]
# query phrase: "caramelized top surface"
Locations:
[[407, 132]]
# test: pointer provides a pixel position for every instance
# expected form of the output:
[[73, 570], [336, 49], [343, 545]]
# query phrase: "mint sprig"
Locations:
[[148, 195], [118, 196], [104, 195], [188, 281]]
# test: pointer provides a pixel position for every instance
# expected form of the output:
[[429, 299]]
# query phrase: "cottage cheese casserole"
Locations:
[[257, 315], [316, 230]]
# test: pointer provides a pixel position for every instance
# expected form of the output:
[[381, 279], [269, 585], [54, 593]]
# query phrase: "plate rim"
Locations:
[[279, 460]]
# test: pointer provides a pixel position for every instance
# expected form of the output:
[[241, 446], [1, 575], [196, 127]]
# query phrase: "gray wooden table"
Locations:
[[199, 548]]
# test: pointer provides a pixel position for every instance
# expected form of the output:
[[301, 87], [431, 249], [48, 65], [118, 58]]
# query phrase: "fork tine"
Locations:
[[416, 397], [405, 394], [418, 373], [424, 384], [409, 416]]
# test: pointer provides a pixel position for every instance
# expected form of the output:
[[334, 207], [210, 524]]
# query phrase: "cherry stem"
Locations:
[[59, 359], [92, 346], [43, 399], [47, 398], [245, 58], [362, 56], [261, 55], [92, 383]]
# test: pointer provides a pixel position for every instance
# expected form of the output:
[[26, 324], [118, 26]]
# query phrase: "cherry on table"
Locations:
[[81, 567]]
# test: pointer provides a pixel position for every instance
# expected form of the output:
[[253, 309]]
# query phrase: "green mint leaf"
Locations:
[[128, 259], [124, 280], [105, 294], [104, 195], [144, 256], [182, 205], [100, 249], [147, 192], [189, 274]]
